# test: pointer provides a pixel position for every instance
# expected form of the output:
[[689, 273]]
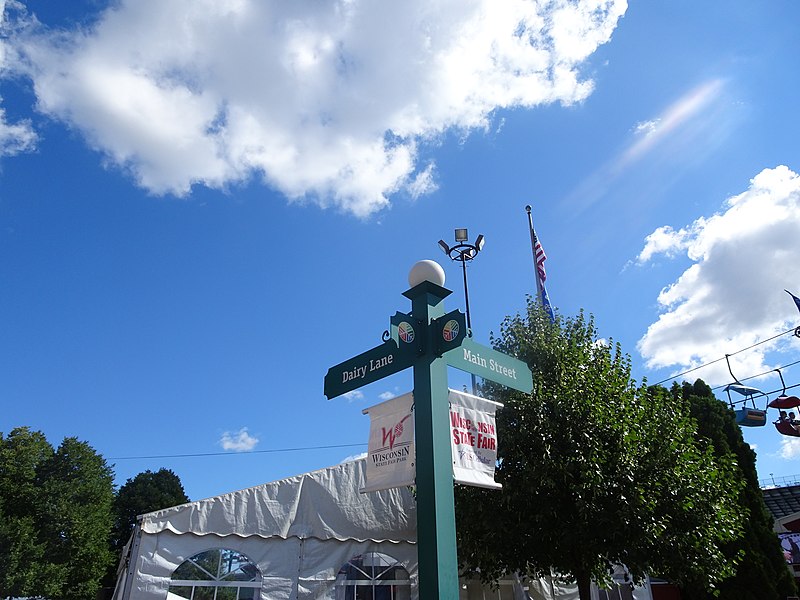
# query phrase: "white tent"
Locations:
[[309, 536]]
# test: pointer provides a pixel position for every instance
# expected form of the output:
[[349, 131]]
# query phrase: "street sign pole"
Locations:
[[428, 340], [436, 522]]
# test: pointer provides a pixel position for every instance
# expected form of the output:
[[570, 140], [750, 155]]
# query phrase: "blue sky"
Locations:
[[204, 205]]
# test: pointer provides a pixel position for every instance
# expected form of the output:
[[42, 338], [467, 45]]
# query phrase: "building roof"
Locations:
[[782, 501]]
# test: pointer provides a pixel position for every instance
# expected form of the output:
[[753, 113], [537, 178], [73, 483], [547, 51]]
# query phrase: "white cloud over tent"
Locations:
[[732, 295], [327, 102], [238, 441]]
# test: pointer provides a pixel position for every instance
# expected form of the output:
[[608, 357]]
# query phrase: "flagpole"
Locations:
[[538, 268], [533, 251]]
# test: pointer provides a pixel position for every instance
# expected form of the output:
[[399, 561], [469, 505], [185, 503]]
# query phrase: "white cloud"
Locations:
[[327, 102], [353, 395], [239, 441], [732, 295], [16, 137], [19, 136], [646, 127], [686, 109], [663, 240], [423, 183], [353, 457], [386, 396], [683, 133], [790, 448]]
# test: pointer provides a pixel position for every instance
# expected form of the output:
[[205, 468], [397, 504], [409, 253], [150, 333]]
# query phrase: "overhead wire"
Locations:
[[788, 387], [723, 358], [269, 451], [762, 374], [333, 446]]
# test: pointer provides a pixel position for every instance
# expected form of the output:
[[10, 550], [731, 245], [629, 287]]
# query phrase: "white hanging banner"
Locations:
[[473, 438], [391, 456]]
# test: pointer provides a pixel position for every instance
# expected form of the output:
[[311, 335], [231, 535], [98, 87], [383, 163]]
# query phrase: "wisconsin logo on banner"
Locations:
[[390, 454], [473, 438]]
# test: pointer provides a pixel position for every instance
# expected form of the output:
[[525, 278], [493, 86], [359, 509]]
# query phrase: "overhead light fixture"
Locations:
[[464, 252]]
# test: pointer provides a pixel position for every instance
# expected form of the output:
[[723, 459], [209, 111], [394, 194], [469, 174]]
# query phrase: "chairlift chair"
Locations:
[[746, 416], [784, 425]]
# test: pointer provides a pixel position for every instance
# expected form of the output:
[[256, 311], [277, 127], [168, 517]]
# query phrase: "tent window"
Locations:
[[617, 592], [373, 576], [218, 574]]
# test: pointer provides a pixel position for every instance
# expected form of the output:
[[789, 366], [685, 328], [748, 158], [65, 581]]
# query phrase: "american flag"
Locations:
[[540, 258], [795, 298], [541, 275]]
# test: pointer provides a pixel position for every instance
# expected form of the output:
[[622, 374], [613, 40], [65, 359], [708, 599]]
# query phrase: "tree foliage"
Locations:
[[23, 570], [144, 493], [595, 470], [55, 515], [761, 573]]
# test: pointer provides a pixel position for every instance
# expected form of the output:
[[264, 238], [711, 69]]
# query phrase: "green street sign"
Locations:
[[448, 331], [488, 363], [372, 365]]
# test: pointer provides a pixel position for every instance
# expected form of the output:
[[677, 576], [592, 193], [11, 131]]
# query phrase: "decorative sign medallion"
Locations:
[[406, 332], [450, 330]]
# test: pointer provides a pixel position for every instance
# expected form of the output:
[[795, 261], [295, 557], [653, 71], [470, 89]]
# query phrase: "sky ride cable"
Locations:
[[723, 358]]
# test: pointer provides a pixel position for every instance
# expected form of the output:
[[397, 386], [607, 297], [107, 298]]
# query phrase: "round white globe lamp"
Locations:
[[426, 270]]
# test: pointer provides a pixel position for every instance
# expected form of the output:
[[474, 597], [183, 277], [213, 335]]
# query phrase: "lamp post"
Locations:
[[464, 252]]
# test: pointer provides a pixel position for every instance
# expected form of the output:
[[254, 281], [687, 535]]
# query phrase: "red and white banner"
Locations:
[[390, 454], [391, 459], [473, 438]]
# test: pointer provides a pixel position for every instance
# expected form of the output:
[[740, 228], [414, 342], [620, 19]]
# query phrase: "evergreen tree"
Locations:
[[762, 573], [144, 493]]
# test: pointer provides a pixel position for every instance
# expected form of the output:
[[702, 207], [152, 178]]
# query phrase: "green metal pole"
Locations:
[[436, 523]]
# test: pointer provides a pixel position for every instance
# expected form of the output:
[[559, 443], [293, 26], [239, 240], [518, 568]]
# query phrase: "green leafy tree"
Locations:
[[761, 573], [144, 493], [79, 489], [24, 570], [595, 470], [55, 515]]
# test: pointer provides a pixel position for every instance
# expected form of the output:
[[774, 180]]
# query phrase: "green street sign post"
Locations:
[[488, 363], [372, 365], [428, 340]]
